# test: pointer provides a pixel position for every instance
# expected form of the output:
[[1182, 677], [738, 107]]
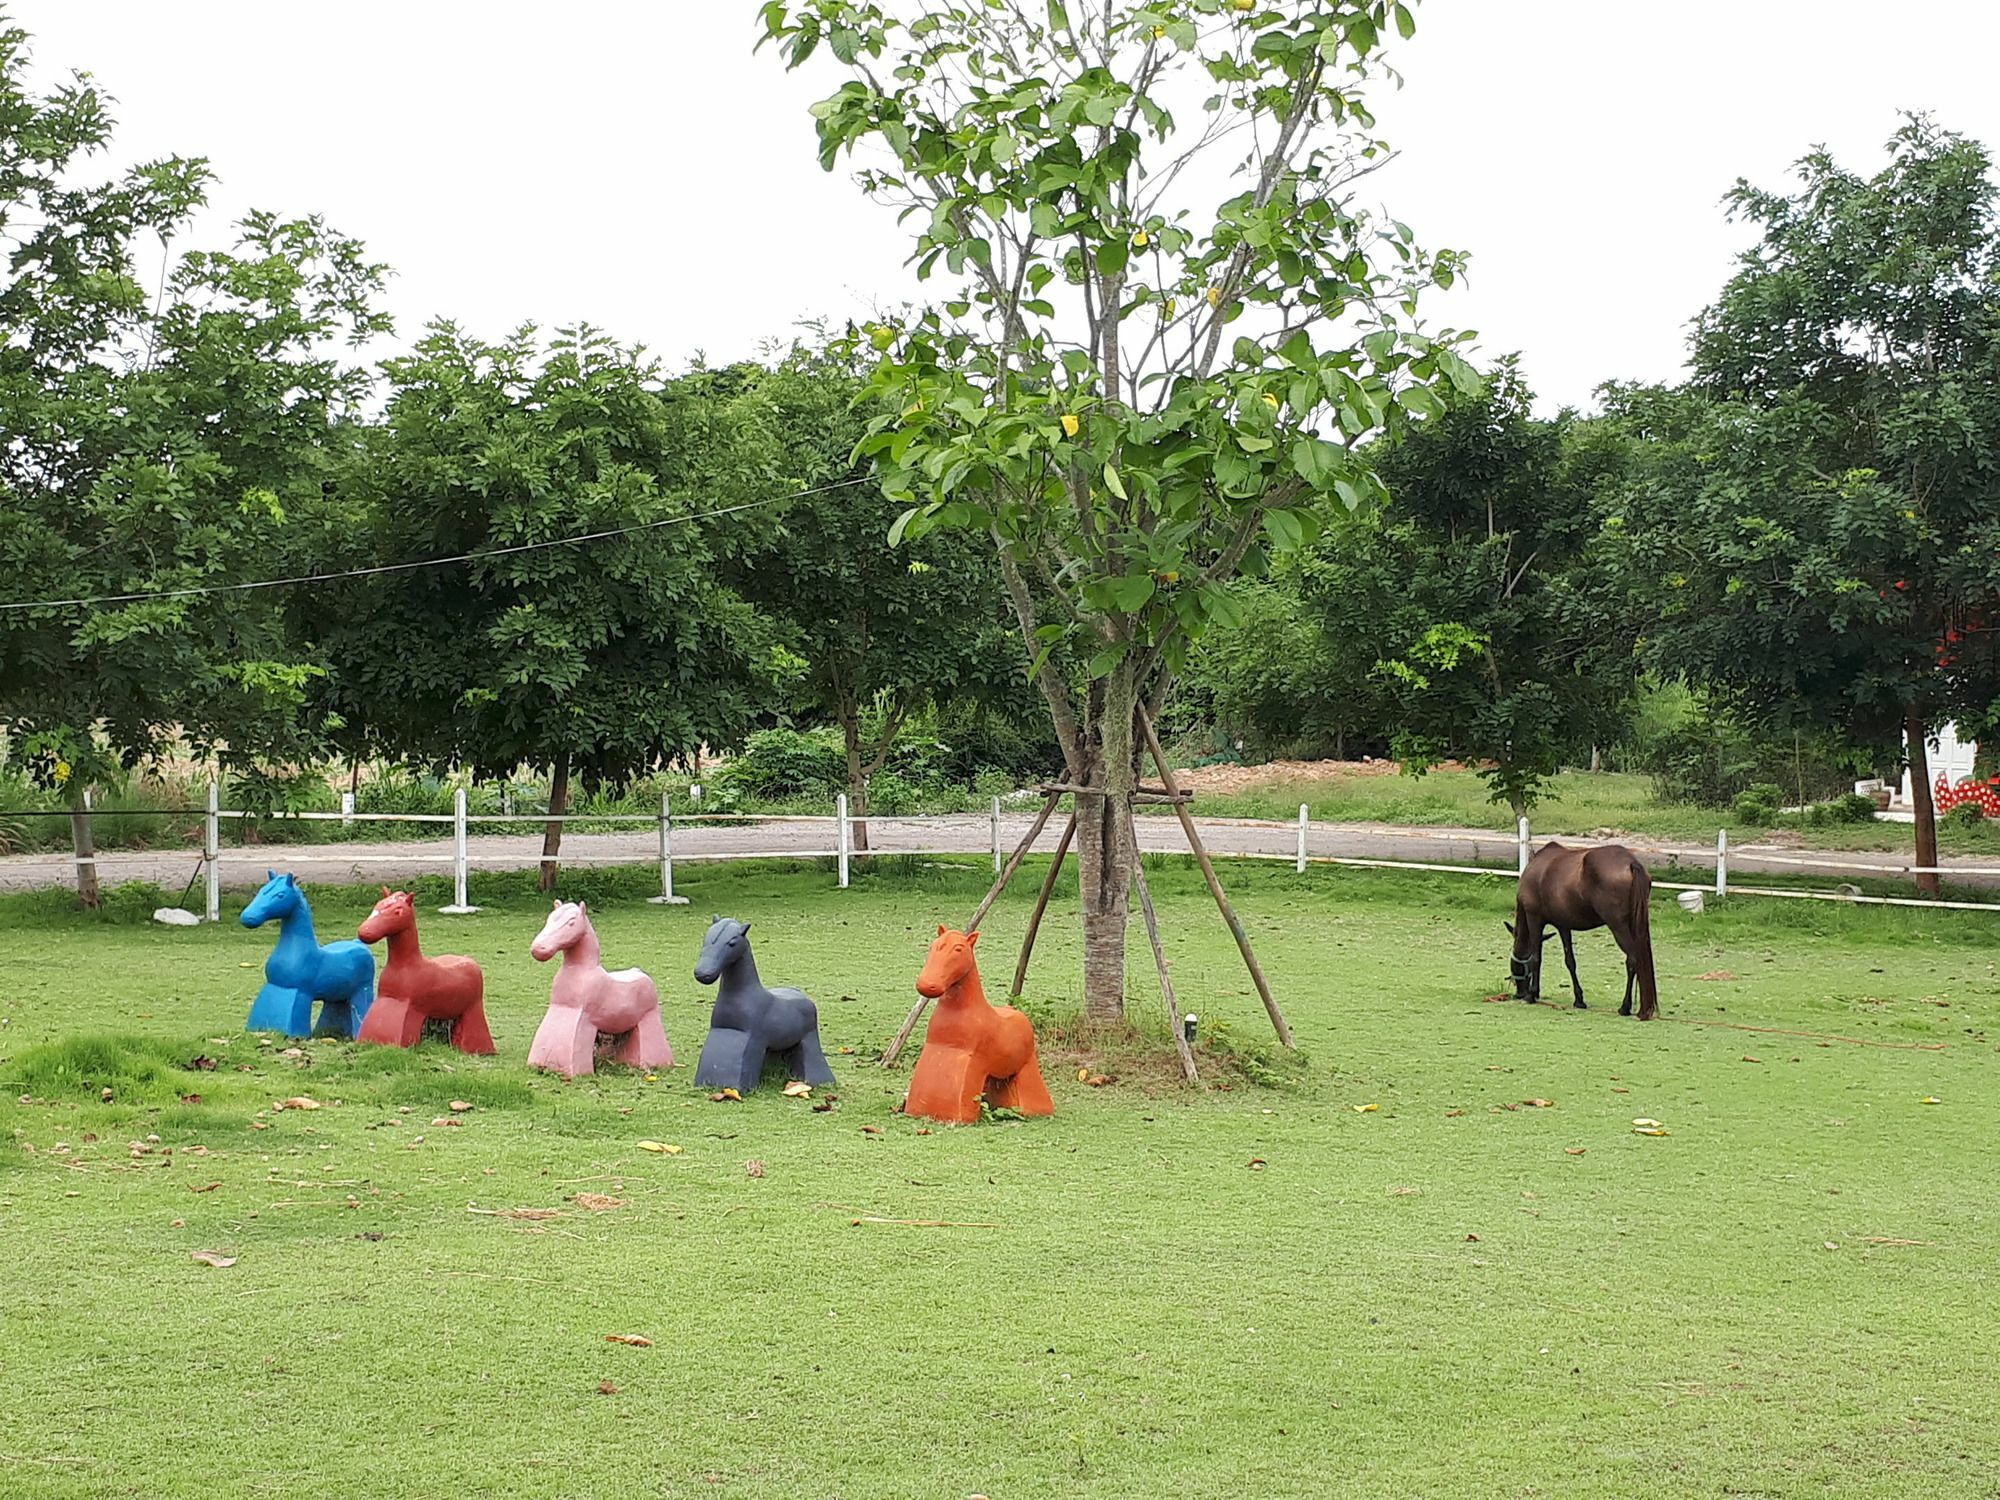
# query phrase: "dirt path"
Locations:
[[347, 863]]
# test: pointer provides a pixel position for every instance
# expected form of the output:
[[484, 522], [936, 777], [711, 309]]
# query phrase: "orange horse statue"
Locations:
[[586, 1000], [415, 990], [973, 1046]]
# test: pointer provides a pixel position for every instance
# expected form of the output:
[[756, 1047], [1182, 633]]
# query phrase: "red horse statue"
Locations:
[[586, 1000], [415, 990], [973, 1047]]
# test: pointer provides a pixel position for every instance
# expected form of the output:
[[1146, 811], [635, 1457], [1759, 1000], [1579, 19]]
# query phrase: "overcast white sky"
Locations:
[[633, 165]]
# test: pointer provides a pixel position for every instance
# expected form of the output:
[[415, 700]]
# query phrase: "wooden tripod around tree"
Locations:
[[1170, 793]]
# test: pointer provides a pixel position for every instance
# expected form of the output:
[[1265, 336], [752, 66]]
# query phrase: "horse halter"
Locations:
[[1523, 969]]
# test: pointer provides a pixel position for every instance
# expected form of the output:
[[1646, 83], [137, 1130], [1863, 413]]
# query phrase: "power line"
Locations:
[[425, 562]]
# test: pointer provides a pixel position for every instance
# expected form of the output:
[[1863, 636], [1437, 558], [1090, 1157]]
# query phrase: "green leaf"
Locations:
[[1132, 592], [1406, 24], [1113, 483]]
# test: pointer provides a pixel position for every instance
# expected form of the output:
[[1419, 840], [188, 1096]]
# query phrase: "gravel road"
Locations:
[[694, 840]]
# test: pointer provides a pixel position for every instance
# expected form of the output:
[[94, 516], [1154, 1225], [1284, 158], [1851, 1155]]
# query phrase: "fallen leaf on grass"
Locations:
[[1748, 1058], [529, 1213], [1929, 1099], [871, 1130], [796, 1090], [447, 1120], [1539, 1103], [1472, 1239], [597, 1203], [206, 1187], [1256, 1164], [1830, 1245], [660, 1148], [1099, 1080], [1573, 1150], [1643, 1123], [1082, 1074], [1452, 1114], [635, 1340], [190, 1098], [753, 1169], [201, 1064], [823, 1106], [215, 1258], [607, 1387], [458, 1106], [297, 1101], [1366, 1109], [1401, 1192], [1886, 1239], [1716, 974], [725, 1094], [1650, 1130]]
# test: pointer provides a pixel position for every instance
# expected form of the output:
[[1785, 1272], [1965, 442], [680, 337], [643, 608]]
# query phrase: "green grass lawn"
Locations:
[[1251, 1291], [1577, 803]]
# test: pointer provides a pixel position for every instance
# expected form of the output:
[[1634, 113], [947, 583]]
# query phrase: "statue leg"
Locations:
[[1030, 1093], [645, 1045], [391, 1022], [809, 1061], [944, 1086], [470, 1032], [564, 1043], [280, 1008], [721, 1064]]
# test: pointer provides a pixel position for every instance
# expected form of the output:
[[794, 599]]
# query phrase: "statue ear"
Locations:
[[941, 929], [385, 890], [555, 903], [273, 875], [582, 907], [972, 938]]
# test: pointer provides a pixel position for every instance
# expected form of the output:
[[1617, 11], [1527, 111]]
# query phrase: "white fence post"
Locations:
[[996, 835], [1302, 838], [667, 896], [1721, 862], [211, 851], [347, 809], [1521, 845], [459, 905], [843, 844]]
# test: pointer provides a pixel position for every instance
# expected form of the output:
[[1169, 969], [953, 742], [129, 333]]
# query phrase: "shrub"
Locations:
[[1758, 804], [783, 764], [1965, 815]]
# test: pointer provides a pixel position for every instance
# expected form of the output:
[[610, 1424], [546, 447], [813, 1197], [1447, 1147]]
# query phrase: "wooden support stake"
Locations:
[[1041, 906], [1229, 916], [1160, 962], [1006, 874]]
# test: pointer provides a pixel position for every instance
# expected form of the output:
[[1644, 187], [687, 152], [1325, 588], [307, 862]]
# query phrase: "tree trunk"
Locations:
[[1596, 760], [552, 832], [1916, 731], [86, 851], [1104, 846], [857, 778]]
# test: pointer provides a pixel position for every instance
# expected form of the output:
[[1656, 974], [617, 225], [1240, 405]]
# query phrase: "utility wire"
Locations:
[[425, 562]]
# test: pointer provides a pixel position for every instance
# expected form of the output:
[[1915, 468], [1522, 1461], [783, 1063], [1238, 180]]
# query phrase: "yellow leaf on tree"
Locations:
[[1070, 424], [1269, 399]]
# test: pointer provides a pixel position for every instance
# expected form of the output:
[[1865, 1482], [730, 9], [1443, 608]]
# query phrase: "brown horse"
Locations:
[[1575, 890]]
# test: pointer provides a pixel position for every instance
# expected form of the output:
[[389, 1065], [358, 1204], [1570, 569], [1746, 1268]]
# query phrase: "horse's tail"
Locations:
[[1642, 940]]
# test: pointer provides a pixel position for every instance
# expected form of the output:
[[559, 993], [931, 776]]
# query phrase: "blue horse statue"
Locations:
[[341, 976], [750, 1021]]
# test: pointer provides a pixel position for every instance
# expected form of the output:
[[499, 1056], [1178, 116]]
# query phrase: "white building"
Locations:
[[1950, 758]]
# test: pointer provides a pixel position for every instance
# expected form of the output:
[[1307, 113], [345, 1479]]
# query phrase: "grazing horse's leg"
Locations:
[[1569, 955], [1631, 975]]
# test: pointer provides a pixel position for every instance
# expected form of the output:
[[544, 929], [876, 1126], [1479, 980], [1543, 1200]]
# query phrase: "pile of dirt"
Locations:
[[1228, 778]]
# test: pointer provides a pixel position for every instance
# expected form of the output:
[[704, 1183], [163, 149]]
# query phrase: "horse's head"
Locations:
[[395, 912], [1525, 964], [566, 925], [280, 895], [727, 941], [951, 959]]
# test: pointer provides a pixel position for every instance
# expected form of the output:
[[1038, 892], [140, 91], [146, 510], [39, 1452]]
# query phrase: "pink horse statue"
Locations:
[[586, 1000], [413, 989]]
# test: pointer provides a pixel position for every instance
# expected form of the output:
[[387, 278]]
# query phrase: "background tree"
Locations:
[[157, 433], [1484, 603], [599, 659], [1148, 373], [1819, 521], [885, 634]]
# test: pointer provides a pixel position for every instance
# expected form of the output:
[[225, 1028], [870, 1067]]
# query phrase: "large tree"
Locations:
[[1172, 326], [1820, 521], [885, 634], [164, 418], [589, 635]]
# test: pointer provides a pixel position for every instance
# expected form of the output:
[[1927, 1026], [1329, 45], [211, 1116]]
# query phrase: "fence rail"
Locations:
[[840, 847]]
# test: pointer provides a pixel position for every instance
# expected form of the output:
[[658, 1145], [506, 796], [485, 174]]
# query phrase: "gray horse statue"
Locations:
[[750, 1021]]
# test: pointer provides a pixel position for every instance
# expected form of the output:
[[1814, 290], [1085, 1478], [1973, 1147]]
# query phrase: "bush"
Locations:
[[1698, 753], [784, 764], [1758, 805], [1965, 815]]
